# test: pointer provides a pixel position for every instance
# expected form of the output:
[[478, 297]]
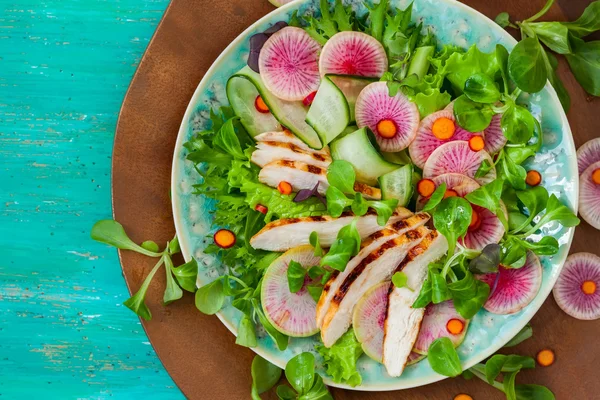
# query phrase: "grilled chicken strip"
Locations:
[[267, 152], [305, 176], [377, 267], [287, 137], [284, 234], [371, 243], [402, 323]]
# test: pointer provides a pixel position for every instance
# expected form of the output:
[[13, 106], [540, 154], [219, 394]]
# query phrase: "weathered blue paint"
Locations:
[[64, 68]]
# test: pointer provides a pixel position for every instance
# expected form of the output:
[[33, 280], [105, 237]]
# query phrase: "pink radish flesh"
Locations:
[[513, 289], [294, 314], [577, 290], [588, 154], [489, 230], [414, 358], [289, 64], [425, 142], [374, 105], [369, 319], [435, 326], [589, 196], [353, 53], [458, 157], [494, 138], [460, 183]]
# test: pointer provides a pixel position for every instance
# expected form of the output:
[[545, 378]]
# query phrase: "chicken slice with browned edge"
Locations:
[[402, 323], [377, 267], [267, 152], [284, 234], [287, 137]]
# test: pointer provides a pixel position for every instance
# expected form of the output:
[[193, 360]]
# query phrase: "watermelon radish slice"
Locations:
[[353, 53], [425, 142], [279, 3], [294, 314], [289, 64], [513, 289], [461, 184], [414, 358], [577, 288], [458, 157], [494, 138], [589, 195], [369, 318], [437, 319], [588, 154], [393, 120], [485, 229]]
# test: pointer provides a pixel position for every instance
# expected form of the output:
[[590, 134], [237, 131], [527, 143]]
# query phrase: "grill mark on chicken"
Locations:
[[405, 223], [298, 150], [376, 254], [367, 190], [319, 218], [286, 163], [313, 169]]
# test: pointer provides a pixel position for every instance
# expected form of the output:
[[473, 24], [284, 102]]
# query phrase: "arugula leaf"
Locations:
[[210, 298], [295, 276], [533, 392], [503, 19], [509, 170], [513, 255], [435, 198], [547, 246], [228, 141], [506, 363], [425, 294], [359, 205], [340, 359], [246, 335], [136, 302], [150, 246], [535, 200], [502, 57], [555, 211], [509, 385], [336, 201], [469, 295], [264, 376], [526, 66], [439, 288], [300, 372], [315, 292], [346, 245], [342, 17], [443, 358], [517, 124], [314, 242], [555, 35], [351, 231], [112, 233], [484, 168]]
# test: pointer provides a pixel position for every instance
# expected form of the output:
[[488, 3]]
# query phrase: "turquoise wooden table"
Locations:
[[64, 68]]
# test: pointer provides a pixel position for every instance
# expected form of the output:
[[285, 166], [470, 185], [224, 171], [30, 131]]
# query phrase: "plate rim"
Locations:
[[506, 335]]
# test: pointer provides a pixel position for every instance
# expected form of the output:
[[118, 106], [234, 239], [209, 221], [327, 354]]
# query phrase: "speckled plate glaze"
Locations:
[[452, 22]]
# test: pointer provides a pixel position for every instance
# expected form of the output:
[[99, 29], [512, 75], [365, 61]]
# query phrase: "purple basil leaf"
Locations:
[[276, 27], [256, 43], [303, 195]]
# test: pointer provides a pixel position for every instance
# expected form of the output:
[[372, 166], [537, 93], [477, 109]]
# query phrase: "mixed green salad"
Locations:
[[369, 190]]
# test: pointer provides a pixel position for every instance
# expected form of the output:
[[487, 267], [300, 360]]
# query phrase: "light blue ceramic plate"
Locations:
[[452, 22]]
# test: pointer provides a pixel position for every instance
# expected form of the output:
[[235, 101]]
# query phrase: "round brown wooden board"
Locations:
[[197, 350]]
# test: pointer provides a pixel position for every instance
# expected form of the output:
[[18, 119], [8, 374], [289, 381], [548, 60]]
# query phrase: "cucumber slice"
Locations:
[[398, 184], [242, 95], [357, 149], [351, 86], [329, 113], [291, 114], [399, 157]]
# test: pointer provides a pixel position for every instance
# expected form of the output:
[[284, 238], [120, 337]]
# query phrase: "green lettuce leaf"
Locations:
[[457, 67], [340, 360]]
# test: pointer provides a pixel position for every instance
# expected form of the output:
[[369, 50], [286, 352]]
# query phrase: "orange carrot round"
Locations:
[[262, 209], [224, 238], [476, 143], [475, 221], [462, 396], [284, 187], [425, 187], [443, 128], [596, 176], [450, 193], [588, 287], [455, 326], [533, 178], [545, 357], [387, 128], [260, 105]]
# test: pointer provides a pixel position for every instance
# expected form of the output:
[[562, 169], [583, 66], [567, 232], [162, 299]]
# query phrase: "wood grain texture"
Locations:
[[64, 68]]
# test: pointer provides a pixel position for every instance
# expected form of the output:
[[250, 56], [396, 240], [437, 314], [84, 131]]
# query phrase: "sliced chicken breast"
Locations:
[[377, 267], [287, 137], [267, 152], [402, 323], [284, 234], [368, 245], [305, 176]]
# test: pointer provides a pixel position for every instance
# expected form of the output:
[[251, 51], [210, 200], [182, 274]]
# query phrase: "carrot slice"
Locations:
[[475, 221], [443, 128], [462, 396], [533, 178], [596, 176], [284, 187], [425, 187], [545, 357], [387, 128], [308, 100], [588, 287], [450, 193], [262, 209], [476, 143], [455, 326], [224, 238], [260, 105]]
